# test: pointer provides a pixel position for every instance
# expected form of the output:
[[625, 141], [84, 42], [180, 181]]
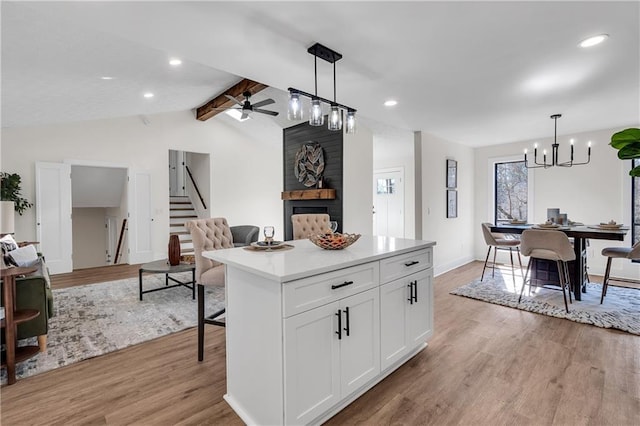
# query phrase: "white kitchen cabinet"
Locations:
[[406, 313], [286, 364], [330, 352]]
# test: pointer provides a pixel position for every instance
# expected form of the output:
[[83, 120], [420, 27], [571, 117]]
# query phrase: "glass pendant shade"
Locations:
[[335, 118], [315, 114], [294, 112], [351, 122]]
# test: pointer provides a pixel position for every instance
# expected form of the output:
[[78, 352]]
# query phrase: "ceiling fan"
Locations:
[[246, 107]]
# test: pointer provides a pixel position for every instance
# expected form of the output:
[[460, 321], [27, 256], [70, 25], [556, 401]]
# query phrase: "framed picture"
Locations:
[[452, 203], [452, 174]]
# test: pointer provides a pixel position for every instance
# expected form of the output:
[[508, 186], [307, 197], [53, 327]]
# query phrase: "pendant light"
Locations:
[[316, 115]]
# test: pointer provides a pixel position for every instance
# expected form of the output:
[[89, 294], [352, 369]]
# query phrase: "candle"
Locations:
[[571, 149], [544, 156], [589, 149]]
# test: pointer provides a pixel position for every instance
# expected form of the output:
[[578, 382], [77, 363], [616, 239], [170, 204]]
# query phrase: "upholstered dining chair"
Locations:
[[631, 253], [244, 235], [208, 234], [309, 224], [548, 245], [499, 241]]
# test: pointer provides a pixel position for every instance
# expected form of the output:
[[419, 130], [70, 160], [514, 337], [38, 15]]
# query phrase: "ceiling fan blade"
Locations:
[[265, 111], [231, 98], [263, 103], [244, 115]]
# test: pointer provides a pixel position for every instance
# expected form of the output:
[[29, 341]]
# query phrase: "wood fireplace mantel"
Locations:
[[310, 194]]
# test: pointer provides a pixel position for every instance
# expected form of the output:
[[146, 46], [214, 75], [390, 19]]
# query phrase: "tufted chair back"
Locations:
[[208, 234], [309, 224]]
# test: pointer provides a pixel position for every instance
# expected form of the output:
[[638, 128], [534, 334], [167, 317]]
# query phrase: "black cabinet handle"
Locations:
[[410, 299], [339, 332], [346, 283], [413, 262], [346, 314], [415, 291]]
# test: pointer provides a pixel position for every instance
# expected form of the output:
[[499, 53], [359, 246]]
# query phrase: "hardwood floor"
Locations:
[[94, 275], [485, 365]]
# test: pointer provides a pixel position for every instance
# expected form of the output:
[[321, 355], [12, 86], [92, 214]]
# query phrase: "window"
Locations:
[[635, 205], [386, 186], [511, 191]]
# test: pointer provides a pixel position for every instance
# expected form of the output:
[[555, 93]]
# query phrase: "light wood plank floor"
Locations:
[[485, 365]]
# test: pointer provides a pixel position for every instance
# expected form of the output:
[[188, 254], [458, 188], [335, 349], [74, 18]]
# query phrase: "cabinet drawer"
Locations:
[[302, 295], [402, 265]]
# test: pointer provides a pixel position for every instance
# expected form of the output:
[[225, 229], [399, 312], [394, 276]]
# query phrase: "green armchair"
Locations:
[[33, 291]]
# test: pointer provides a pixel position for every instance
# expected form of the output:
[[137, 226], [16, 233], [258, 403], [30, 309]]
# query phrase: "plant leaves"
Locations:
[[625, 137], [635, 172], [629, 151]]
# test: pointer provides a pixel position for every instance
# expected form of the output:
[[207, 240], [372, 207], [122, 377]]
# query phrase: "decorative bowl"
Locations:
[[334, 241]]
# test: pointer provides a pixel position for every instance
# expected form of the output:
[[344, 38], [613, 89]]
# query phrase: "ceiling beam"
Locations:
[[221, 102]]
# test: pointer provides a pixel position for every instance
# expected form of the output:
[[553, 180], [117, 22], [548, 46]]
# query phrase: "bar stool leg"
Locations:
[[561, 274], [485, 263], [513, 269], [519, 259], [605, 281], [200, 322], [493, 271], [524, 281]]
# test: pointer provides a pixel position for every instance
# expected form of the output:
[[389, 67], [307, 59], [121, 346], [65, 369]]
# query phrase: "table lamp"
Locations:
[[7, 215]]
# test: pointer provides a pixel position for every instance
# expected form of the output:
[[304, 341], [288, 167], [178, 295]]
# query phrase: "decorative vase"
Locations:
[[174, 250]]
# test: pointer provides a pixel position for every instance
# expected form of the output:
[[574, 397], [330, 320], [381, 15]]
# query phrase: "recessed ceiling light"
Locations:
[[235, 113], [175, 62], [106, 77], [390, 102], [148, 95], [592, 41]]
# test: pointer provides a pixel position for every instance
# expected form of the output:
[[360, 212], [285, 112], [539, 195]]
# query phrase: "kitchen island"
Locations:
[[309, 330]]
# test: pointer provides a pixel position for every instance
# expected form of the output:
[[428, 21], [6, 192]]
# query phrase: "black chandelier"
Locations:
[[316, 116], [554, 152]]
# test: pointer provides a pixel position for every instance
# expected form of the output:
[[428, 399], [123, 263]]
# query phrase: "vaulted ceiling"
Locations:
[[477, 73]]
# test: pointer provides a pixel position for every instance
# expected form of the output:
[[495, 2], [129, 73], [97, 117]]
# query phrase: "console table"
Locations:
[[310, 330], [12, 318]]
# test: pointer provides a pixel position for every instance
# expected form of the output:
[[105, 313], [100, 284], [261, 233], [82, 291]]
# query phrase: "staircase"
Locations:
[[180, 211]]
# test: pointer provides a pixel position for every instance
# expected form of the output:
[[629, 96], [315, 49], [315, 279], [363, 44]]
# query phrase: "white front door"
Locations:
[[140, 219], [53, 215], [388, 202]]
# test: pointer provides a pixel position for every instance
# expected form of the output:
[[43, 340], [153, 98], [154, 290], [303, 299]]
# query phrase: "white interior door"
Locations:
[[53, 215], [177, 173], [388, 202], [140, 219]]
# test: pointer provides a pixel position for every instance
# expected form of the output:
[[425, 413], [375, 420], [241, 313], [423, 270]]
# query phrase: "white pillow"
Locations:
[[24, 256], [8, 243]]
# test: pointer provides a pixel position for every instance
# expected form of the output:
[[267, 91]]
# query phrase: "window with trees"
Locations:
[[511, 191]]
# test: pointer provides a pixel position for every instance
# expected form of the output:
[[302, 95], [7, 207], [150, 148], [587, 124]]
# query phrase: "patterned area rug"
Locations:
[[96, 319], [620, 310]]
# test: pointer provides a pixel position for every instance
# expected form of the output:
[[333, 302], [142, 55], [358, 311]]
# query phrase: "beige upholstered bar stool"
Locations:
[[631, 253], [498, 241], [548, 245], [309, 224]]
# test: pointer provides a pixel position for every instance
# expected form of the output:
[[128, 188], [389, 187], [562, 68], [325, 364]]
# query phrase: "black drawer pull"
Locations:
[[410, 299], [346, 313], [346, 283], [413, 262], [339, 332]]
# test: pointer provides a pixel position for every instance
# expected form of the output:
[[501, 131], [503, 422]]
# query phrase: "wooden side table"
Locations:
[[12, 318]]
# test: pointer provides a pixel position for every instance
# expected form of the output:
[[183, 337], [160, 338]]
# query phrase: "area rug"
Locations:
[[96, 319], [620, 310]]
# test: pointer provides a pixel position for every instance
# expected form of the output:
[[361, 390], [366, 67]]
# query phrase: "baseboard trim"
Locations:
[[441, 269]]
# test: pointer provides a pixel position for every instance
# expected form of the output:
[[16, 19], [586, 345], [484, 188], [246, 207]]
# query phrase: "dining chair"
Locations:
[[631, 253], [309, 224], [208, 234], [499, 241], [548, 245]]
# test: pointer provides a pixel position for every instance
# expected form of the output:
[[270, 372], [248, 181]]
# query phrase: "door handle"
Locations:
[[344, 284], [339, 332], [346, 314]]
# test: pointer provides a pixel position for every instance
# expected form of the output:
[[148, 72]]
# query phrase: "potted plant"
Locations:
[[627, 142], [10, 191]]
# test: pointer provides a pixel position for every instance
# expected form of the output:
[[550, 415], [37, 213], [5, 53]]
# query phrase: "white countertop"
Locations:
[[307, 259]]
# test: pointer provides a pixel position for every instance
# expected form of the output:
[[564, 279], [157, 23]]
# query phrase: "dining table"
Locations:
[[580, 234]]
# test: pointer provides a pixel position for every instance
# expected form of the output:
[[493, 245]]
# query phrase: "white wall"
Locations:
[[246, 161], [357, 172], [592, 193], [89, 237], [454, 236], [394, 148]]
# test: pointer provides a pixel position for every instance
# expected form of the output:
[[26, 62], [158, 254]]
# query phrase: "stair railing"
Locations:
[[196, 187]]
